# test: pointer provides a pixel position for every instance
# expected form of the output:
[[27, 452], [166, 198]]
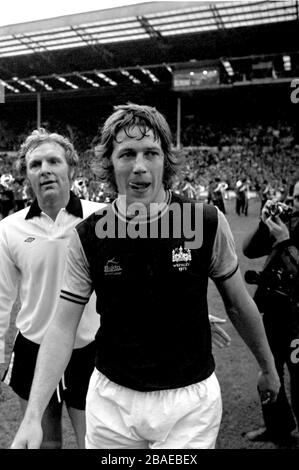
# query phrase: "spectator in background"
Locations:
[[189, 189], [278, 300], [216, 190], [6, 195], [242, 197]]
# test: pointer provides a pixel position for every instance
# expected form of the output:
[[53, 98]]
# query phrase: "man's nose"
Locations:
[[45, 167], [139, 164]]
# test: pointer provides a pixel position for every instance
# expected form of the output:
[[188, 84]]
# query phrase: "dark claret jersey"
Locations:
[[151, 291]]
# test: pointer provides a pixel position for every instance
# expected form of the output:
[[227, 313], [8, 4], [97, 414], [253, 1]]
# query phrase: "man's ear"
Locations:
[[27, 180], [71, 173]]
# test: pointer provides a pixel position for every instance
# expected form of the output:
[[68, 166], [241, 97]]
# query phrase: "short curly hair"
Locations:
[[127, 117], [41, 136]]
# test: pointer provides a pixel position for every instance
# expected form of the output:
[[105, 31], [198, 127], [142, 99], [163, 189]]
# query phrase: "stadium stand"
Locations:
[[221, 72]]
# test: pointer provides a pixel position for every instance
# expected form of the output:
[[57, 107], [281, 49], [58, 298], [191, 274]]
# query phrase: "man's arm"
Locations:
[[9, 278], [53, 357], [246, 318], [271, 230], [258, 243]]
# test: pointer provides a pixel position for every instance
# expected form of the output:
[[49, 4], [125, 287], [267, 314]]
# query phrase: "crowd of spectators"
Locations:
[[267, 156]]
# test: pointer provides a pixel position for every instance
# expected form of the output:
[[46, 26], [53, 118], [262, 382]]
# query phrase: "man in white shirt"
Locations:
[[33, 246]]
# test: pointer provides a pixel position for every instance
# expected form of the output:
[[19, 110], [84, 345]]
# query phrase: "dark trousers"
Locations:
[[281, 417], [241, 205], [220, 204]]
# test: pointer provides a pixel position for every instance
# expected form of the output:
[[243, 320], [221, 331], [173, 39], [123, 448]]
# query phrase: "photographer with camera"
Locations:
[[277, 298]]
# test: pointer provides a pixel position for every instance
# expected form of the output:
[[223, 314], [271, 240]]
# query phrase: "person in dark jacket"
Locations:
[[277, 297]]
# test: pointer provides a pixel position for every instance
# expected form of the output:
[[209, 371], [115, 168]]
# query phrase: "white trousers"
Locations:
[[121, 418]]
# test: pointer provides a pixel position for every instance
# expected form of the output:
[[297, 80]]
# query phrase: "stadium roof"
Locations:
[[140, 21], [144, 43]]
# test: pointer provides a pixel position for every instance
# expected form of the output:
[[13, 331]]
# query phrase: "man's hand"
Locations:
[[29, 435], [268, 386], [219, 337], [265, 211], [278, 229]]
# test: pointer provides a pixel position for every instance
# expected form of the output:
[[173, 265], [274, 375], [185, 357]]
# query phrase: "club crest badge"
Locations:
[[181, 258], [112, 268]]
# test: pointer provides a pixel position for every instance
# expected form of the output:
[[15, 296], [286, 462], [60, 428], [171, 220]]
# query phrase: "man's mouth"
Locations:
[[46, 183], [139, 185]]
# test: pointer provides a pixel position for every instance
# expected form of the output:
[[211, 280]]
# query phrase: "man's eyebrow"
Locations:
[[153, 147], [124, 148], [130, 147]]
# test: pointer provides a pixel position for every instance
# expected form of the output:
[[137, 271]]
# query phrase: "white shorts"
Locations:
[[121, 418]]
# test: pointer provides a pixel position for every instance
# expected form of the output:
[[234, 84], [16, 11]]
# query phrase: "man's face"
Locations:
[[296, 197], [48, 171], [138, 163], [296, 201]]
